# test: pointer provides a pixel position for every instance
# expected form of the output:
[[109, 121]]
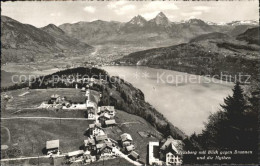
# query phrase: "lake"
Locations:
[[186, 100]]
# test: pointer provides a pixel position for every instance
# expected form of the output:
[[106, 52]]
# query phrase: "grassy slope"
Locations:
[[32, 134]]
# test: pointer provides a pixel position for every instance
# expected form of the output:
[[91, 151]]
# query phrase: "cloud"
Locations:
[[113, 5], [55, 14], [191, 13], [202, 8], [125, 9], [159, 5], [90, 9]]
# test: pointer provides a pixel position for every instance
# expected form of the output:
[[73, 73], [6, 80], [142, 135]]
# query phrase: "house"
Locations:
[[110, 122], [95, 130], [107, 109], [134, 156], [75, 155], [101, 138], [52, 147], [106, 151], [169, 151], [126, 139], [104, 117], [153, 153], [88, 158], [55, 98], [91, 102], [129, 148], [91, 114], [90, 144]]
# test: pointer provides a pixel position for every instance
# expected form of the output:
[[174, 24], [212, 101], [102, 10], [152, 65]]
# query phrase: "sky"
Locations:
[[42, 13]]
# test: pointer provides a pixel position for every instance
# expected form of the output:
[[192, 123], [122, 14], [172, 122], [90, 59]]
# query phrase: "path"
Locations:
[[121, 154], [26, 158], [52, 118]]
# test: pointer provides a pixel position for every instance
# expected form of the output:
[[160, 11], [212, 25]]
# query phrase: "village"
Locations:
[[98, 146]]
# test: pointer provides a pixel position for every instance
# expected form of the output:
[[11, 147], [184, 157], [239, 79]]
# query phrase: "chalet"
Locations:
[[126, 139], [75, 155], [104, 117], [88, 158], [52, 147], [101, 138], [91, 113], [107, 109], [90, 144], [106, 151], [91, 102], [95, 130], [110, 122], [55, 98], [134, 156], [169, 151], [129, 148]]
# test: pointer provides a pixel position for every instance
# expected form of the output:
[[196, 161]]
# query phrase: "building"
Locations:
[[101, 138], [109, 123], [55, 98], [126, 139], [90, 144], [129, 148], [91, 113], [107, 109], [134, 156], [52, 147], [107, 150], [153, 153], [75, 155], [169, 151], [95, 130]]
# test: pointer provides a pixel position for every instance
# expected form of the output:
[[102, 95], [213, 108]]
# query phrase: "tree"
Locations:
[[230, 128]]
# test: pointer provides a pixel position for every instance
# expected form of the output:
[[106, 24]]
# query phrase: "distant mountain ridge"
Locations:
[[26, 43], [159, 31]]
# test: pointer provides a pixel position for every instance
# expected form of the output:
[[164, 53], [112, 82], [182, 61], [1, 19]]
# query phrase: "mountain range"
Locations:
[[208, 54], [159, 31], [26, 43]]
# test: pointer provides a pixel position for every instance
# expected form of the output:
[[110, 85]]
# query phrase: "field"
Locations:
[[30, 135], [36, 96]]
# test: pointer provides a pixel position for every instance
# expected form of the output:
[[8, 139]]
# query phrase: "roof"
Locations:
[[75, 153], [55, 96], [89, 141], [110, 122], [175, 145], [105, 115], [107, 145], [101, 137], [134, 154], [104, 108], [93, 125], [52, 144], [130, 147], [92, 98], [125, 137], [99, 146]]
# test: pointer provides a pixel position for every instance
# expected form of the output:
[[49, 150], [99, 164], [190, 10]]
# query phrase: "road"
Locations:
[[26, 158], [52, 118], [121, 154]]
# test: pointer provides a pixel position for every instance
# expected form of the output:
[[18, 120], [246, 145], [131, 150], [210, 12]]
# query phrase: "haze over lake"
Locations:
[[186, 100]]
